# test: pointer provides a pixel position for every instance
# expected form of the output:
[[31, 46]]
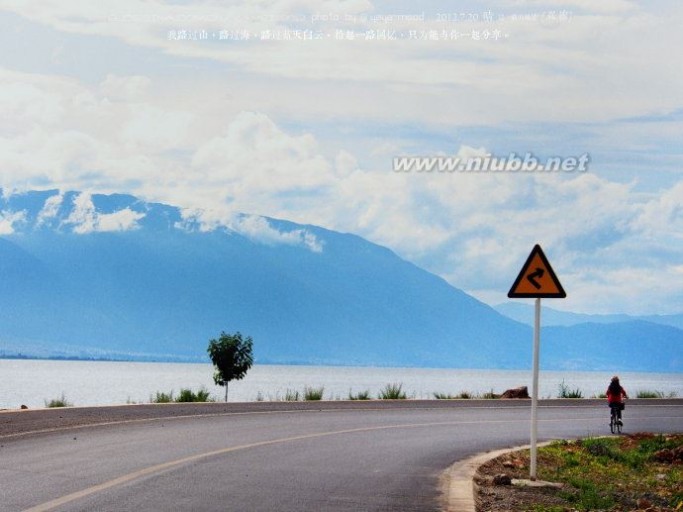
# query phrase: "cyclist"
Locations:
[[615, 396]]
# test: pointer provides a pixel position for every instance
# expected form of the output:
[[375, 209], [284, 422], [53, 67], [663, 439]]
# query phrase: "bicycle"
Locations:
[[614, 423]]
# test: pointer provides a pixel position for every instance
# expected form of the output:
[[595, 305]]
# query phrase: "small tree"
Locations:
[[231, 356]]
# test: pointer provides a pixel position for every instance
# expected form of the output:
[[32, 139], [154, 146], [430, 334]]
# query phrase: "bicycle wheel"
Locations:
[[612, 422]]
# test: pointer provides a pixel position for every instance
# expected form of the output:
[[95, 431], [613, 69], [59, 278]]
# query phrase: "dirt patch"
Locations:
[[514, 497]]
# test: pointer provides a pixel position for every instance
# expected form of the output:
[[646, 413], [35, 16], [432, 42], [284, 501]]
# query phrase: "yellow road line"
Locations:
[[158, 468], [52, 504]]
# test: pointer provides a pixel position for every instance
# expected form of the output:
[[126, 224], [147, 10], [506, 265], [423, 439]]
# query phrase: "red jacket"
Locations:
[[615, 398]]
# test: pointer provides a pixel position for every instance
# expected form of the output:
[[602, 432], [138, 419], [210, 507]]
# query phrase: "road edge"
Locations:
[[457, 482]]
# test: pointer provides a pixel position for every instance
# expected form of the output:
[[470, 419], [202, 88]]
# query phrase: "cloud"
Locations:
[[8, 219], [254, 227], [86, 219], [50, 209]]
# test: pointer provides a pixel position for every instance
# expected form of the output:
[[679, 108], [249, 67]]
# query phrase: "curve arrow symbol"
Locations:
[[537, 274]]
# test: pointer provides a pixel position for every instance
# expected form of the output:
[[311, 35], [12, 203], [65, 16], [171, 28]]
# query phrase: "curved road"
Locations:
[[336, 456]]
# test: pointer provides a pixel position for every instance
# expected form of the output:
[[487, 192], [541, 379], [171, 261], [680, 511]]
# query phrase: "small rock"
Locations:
[[644, 503], [502, 479], [23, 406]]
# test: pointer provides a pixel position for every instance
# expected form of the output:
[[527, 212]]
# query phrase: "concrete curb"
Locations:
[[458, 481]]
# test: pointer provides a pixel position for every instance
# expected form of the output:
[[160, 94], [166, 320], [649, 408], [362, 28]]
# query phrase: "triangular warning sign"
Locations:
[[537, 279]]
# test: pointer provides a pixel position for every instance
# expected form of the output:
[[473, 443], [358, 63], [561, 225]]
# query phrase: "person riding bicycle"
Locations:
[[615, 396]]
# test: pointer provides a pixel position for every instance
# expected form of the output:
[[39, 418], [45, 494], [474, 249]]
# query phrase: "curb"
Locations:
[[458, 480]]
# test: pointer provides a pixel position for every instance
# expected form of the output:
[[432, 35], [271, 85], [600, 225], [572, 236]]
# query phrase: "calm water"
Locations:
[[33, 382]]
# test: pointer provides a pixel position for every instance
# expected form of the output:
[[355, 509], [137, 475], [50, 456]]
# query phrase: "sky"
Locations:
[[296, 109]]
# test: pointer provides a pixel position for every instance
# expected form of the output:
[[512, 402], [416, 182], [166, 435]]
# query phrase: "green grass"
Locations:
[[162, 398], [646, 393], [361, 395], [312, 394], [463, 395], [292, 395], [392, 391], [185, 395], [58, 402], [611, 473], [566, 392]]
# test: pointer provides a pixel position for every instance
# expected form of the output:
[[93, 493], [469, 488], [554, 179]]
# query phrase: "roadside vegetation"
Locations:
[[361, 395], [185, 395], [393, 391], [58, 402], [311, 394], [654, 394], [567, 392], [634, 472]]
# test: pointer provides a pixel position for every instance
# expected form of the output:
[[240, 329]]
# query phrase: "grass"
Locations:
[[292, 395], [646, 393], [185, 395], [566, 392], [392, 392], [162, 398], [489, 395], [58, 402], [312, 394], [361, 395], [612, 473], [463, 395]]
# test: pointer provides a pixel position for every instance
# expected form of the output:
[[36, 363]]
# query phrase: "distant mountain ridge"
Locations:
[[524, 313], [115, 276]]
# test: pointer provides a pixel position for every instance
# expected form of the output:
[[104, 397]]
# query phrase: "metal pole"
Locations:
[[534, 389]]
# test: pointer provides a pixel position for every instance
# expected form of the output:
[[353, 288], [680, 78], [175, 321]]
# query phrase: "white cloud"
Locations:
[[259, 229], [254, 227], [8, 219], [50, 209], [86, 219]]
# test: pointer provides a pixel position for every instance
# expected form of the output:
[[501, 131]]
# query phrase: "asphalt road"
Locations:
[[322, 457]]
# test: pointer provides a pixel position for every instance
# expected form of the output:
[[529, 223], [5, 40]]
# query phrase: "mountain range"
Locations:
[[113, 276]]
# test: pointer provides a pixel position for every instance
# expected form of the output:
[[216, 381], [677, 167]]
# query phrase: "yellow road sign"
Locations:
[[537, 279]]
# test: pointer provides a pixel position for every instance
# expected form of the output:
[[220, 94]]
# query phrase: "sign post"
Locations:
[[536, 280]]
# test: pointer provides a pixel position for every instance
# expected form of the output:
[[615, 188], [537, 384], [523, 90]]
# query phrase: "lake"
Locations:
[[84, 383]]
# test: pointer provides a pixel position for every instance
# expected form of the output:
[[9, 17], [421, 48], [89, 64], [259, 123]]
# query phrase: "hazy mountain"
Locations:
[[524, 313], [115, 276]]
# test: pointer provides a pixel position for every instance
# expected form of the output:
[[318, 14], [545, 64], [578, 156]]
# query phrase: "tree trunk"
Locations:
[[226, 389]]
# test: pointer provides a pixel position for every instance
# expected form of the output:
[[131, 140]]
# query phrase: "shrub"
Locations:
[[311, 394], [186, 395], [162, 398], [565, 392], [654, 394], [393, 392], [58, 402], [443, 396], [292, 395], [361, 395]]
